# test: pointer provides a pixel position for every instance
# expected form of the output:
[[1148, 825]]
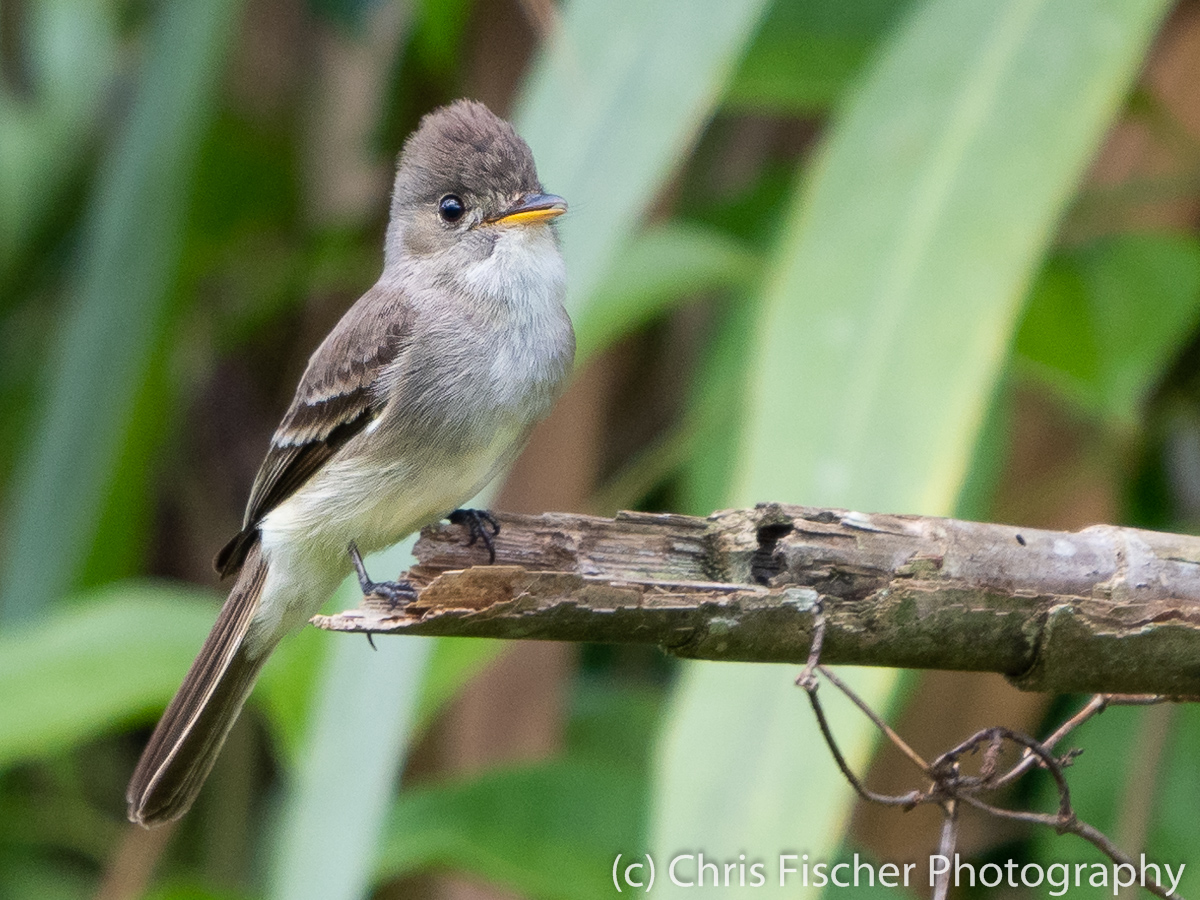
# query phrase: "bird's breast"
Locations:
[[492, 348], [483, 363]]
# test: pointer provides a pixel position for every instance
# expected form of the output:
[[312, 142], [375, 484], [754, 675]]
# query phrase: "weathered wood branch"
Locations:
[[1105, 609]]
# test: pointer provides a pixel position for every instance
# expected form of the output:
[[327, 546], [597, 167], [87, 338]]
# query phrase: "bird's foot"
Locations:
[[481, 525], [396, 593]]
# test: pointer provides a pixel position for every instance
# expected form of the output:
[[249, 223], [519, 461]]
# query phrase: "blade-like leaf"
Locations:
[[895, 293], [286, 687], [738, 735], [1105, 320], [131, 246], [611, 106], [887, 313], [805, 54], [117, 657], [361, 718], [71, 54], [548, 831], [660, 266]]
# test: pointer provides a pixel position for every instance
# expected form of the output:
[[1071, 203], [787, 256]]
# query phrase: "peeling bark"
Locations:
[[1105, 609]]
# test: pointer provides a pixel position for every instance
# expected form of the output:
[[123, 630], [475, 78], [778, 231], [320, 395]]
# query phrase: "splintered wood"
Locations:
[[1106, 609]]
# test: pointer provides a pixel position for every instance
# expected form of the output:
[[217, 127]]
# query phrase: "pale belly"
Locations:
[[377, 501], [305, 540]]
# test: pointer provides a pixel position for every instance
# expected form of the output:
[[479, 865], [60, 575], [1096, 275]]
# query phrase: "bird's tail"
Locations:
[[189, 736]]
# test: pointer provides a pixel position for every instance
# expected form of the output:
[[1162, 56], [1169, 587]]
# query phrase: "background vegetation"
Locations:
[[934, 256]]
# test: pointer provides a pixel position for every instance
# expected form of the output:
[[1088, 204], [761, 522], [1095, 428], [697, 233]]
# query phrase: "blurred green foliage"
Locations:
[[840, 217]]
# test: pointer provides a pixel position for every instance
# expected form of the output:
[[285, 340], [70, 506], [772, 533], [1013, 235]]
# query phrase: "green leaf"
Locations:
[[1177, 785], [114, 658], [1106, 320], [805, 54], [26, 878], [992, 445], [131, 247], [907, 258], [610, 723], [888, 308], [611, 107], [438, 33], [360, 720], [185, 891], [69, 54], [662, 265], [1118, 761], [1055, 341], [547, 831]]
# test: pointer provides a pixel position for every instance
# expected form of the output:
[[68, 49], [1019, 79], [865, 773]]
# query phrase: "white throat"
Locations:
[[524, 273]]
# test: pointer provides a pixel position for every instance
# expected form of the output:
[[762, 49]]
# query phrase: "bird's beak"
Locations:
[[530, 209]]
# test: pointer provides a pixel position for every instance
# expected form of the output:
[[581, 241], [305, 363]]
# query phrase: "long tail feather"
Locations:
[[189, 736]]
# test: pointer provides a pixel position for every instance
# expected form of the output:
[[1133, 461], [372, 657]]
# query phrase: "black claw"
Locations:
[[396, 593], [478, 522]]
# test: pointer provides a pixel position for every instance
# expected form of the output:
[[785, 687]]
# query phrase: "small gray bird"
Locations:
[[425, 389]]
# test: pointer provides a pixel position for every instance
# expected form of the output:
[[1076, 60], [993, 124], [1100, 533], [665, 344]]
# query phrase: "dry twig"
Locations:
[[1104, 609], [949, 785]]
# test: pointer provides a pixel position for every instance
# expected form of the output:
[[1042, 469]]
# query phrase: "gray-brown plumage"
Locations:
[[334, 401], [422, 392], [215, 687]]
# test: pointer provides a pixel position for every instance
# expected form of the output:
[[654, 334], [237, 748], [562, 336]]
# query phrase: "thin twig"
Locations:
[[941, 765], [809, 681], [907, 800], [946, 845], [1074, 826], [814, 650], [883, 726], [1096, 705], [950, 785]]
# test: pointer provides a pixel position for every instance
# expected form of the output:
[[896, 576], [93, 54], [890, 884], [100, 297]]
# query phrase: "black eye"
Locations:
[[451, 208]]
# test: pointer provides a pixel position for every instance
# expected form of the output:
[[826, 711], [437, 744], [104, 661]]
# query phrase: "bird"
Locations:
[[425, 389]]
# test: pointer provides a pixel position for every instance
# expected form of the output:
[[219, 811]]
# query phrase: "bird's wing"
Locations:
[[336, 399]]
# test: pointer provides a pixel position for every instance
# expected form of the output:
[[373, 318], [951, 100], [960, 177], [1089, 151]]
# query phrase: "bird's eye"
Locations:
[[451, 208]]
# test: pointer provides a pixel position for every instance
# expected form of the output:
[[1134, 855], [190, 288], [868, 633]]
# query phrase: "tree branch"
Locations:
[[1106, 609]]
